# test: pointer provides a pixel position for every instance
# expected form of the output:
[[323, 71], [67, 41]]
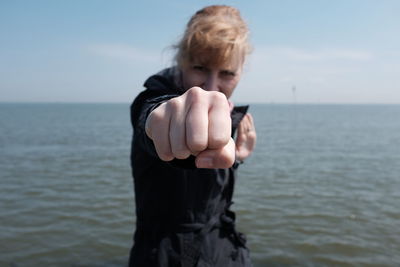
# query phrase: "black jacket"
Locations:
[[183, 216]]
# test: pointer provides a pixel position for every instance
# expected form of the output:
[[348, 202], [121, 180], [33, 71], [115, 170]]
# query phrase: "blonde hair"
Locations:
[[213, 36]]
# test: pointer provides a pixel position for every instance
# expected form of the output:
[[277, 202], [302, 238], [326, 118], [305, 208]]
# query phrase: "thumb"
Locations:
[[217, 158]]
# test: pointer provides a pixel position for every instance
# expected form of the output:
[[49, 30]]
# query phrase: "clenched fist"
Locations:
[[196, 123]]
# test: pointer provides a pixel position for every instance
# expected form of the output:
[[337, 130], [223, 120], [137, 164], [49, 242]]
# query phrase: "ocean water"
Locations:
[[321, 189]]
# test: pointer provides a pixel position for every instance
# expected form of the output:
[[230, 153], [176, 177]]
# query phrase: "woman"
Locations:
[[184, 157]]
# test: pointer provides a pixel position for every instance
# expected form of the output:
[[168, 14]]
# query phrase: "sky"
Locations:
[[342, 51]]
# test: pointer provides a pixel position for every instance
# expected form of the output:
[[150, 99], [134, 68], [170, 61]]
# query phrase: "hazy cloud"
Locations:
[[295, 65], [124, 52], [274, 70], [296, 54]]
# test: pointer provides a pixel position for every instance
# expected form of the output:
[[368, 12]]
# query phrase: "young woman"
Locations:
[[184, 157]]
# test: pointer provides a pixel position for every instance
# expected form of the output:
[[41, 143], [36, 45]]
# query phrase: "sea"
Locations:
[[322, 187]]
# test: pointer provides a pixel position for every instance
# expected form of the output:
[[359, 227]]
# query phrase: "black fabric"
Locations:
[[183, 217]]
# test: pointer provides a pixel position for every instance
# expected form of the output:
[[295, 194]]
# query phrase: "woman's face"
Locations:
[[221, 79]]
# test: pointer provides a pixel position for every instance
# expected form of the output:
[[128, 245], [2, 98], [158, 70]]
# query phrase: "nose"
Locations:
[[211, 82]]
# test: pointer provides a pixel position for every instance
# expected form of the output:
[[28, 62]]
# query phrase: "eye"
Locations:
[[228, 73], [199, 68]]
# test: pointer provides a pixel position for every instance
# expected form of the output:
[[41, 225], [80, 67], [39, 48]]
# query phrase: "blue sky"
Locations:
[[343, 51]]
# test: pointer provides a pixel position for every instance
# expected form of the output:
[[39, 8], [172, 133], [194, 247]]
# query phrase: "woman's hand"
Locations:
[[196, 123], [246, 138]]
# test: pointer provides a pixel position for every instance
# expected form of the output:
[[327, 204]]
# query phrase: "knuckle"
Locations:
[[163, 154], [156, 114], [178, 150], [181, 154], [218, 141], [218, 96], [175, 103], [195, 91], [197, 145], [166, 157], [196, 94]]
